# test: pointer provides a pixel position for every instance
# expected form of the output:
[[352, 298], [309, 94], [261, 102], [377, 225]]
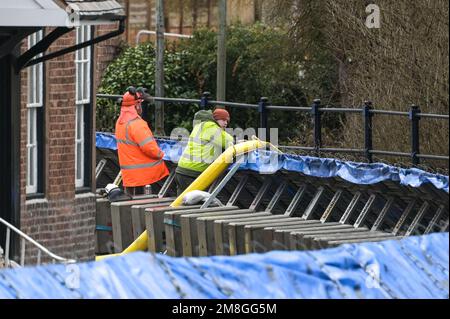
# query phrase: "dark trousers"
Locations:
[[183, 181]]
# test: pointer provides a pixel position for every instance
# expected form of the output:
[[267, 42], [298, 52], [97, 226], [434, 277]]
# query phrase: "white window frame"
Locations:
[[82, 97], [34, 101], [83, 66]]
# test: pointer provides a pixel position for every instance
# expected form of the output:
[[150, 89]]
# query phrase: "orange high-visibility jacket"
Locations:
[[141, 159]]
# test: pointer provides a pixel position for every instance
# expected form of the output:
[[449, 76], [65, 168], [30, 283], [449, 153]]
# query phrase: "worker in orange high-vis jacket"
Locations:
[[140, 158]]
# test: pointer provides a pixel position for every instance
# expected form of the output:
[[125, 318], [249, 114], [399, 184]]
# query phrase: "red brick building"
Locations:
[[54, 202]]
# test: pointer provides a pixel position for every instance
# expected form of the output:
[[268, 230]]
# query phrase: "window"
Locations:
[[35, 122], [83, 103]]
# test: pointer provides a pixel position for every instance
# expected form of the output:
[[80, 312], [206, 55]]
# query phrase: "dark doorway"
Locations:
[[9, 145]]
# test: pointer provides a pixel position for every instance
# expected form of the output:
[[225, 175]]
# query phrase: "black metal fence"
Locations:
[[316, 110]]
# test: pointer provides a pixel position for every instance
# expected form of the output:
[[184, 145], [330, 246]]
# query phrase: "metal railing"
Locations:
[[23, 239], [316, 110]]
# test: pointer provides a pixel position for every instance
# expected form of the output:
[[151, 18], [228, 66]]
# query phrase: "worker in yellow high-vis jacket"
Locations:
[[206, 142]]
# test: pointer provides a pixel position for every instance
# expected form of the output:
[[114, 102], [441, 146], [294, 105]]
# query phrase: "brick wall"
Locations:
[[62, 221], [65, 226]]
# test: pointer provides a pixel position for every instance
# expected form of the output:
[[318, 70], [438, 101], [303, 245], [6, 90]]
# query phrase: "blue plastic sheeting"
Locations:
[[105, 140], [270, 162], [414, 267], [353, 172]]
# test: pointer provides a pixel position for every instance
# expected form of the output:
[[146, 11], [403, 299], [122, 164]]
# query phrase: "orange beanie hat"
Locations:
[[129, 100], [221, 114]]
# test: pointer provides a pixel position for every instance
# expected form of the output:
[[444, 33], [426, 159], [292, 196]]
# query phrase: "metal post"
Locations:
[[384, 211], [434, 220], [22, 252], [99, 168], [276, 196], [402, 219], [414, 110], [7, 244], [224, 181], [417, 219], [166, 185], [331, 206], [159, 74], [204, 101], [242, 181], [262, 109], [367, 118], [365, 211], [259, 196], [314, 203], [317, 125], [221, 51], [350, 208], [295, 201]]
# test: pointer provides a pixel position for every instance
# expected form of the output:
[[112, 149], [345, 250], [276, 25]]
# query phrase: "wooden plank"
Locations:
[[121, 221], [353, 235], [324, 244], [280, 235], [103, 239], [172, 226], [221, 240], [236, 230], [254, 233], [306, 237], [154, 224], [294, 241], [155, 216], [268, 233], [198, 231], [283, 236], [138, 215], [190, 233]]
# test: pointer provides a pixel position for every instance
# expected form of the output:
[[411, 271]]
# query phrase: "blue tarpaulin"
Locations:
[[270, 162], [414, 267]]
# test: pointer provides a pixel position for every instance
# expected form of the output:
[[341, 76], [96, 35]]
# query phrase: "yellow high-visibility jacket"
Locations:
[[206, 143]]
